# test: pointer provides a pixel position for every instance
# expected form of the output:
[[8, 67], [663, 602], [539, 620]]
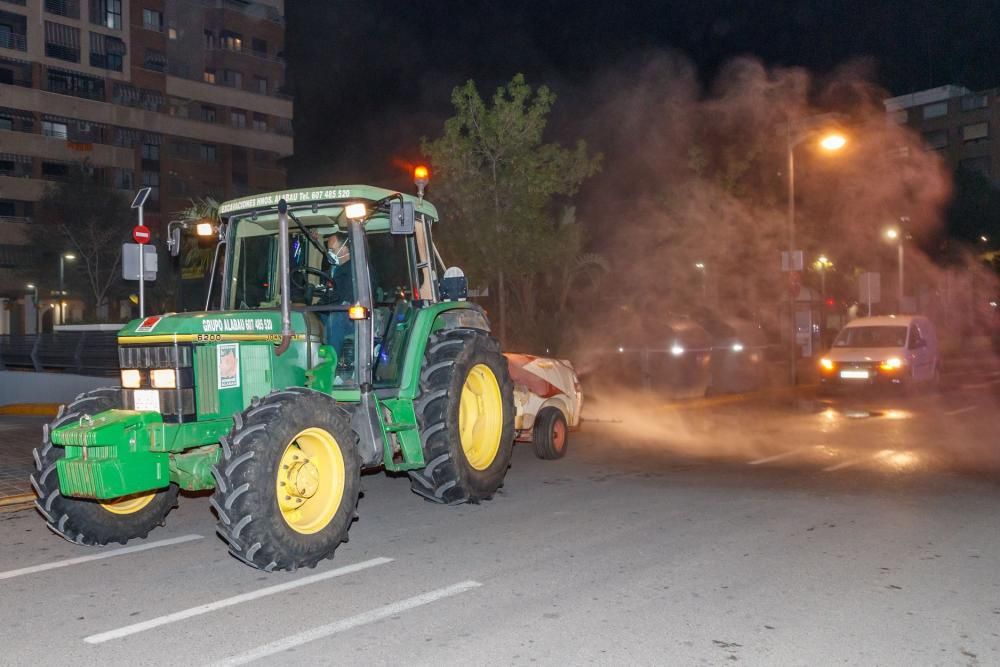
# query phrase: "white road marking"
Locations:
[[961, 410], [10, 574], [979, 385], [349, 623], [853, 462], [778, 457], [135, 628]]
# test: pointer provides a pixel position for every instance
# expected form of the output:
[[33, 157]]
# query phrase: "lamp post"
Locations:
[[63, 258], [897, 235], [700, 266], [34, 296], [822, 264], [830, 142]]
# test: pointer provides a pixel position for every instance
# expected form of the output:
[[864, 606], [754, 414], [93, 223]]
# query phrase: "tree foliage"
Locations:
[[505, 190], [93, 221]]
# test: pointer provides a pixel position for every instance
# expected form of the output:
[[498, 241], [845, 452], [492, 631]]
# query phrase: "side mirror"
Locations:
[[402, 217], [174, 240]]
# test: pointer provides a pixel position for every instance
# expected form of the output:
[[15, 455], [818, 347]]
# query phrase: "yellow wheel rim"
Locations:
[[480, 417], [129, 504], [310, 481]]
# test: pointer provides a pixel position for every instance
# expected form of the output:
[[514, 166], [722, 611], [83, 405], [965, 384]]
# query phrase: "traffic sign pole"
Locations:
[[142, 274]]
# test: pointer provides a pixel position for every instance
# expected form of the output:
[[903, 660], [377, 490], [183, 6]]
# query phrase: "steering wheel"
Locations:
[[299, 281]]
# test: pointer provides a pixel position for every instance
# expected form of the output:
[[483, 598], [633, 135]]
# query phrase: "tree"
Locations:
[[90, 219], [503, 187]]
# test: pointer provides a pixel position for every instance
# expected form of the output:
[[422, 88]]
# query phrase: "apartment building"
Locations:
[[184, 96], [956, 122]]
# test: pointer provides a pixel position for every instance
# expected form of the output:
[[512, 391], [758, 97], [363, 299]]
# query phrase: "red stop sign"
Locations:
[[141, 234]]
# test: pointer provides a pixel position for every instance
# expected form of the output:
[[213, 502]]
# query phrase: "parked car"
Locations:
[[889, 350]]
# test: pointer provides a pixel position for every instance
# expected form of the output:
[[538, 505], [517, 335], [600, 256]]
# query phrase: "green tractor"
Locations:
[[340, 346]]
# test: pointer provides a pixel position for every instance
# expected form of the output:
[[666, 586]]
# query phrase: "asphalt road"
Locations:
[[794, 531]]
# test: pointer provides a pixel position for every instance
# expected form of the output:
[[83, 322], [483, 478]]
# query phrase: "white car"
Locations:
[[893, 349], [548, 399]]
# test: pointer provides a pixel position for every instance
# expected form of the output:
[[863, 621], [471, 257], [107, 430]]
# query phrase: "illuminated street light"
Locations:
[[700, 266], [822, 263], [892, 233], [984, 238], [896, 234], [63, 258], [833, 142]]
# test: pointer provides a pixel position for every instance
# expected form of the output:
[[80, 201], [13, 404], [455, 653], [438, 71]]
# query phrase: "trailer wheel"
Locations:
[[551, 434], [287, 484], [85, 521], [465, 411]]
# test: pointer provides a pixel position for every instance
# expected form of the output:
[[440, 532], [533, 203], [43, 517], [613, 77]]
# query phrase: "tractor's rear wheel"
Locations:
[[465, 410], [85, 521], [551, 434], [288, 481]]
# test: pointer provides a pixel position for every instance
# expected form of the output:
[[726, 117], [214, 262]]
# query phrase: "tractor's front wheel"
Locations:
[[85, 521], [465, 410], [288, 481]]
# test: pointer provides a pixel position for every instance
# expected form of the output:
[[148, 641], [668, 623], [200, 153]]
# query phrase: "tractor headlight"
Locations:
[[163, 378], [131, 378]]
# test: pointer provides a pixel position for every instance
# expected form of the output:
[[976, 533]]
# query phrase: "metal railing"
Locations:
[[82, 352], [12, 40]]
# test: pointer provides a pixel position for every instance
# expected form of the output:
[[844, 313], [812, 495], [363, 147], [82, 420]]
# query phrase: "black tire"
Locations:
[[551, 434], [251, 519], [82, 520], [449, 477]]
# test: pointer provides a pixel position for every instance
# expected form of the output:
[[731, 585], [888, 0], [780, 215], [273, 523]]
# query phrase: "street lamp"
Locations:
[[896, 234], [700, 266], [830, 142], [822, 264], [34, 295], [63, 258]]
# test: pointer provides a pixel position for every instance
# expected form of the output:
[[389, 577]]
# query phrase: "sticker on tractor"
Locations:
[[147, 324], [229, 365]]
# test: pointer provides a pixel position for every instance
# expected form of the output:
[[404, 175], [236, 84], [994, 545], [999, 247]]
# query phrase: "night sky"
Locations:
[[371, 77]]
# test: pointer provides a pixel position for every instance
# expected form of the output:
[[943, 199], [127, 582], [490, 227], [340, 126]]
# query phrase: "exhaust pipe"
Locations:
[[286, 283]]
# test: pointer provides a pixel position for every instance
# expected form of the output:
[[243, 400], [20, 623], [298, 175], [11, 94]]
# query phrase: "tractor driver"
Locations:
[[340, 289]]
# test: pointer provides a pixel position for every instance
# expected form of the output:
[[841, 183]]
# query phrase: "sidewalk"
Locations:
[[18, 436]]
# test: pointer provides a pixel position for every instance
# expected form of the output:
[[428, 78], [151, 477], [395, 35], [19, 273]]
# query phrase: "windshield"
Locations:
[[878, 336]]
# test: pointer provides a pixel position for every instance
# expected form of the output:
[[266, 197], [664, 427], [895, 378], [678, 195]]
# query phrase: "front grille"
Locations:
[[154, 356], [177, 403]]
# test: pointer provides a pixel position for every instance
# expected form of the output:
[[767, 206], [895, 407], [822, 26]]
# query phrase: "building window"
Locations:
[[937, 139], [976, 131], [238, 118], [151, 180], [259, 47], [152, 20], [107, 13], [935, 110], [13, 32], [106, 52], [260, 122], [232, 41], [78, 85], [171, 33], [155, 60], [150, 152], [208, 76], [207, 153], [232, 78], [53, 129], [260, 85], [123, 178], [209, 39], [976, 164], [55, 170], [208, 113], [970, 102], [62, 42], [6, 123], [67, 8]]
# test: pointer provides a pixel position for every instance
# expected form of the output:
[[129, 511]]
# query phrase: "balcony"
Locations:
[[12, 40], [67, 8]]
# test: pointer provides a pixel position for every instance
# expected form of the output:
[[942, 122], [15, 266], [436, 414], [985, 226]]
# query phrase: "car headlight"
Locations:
[[163, 378], [737, 347], [676, 350], [131, 378], [826, 364], [891, 364]]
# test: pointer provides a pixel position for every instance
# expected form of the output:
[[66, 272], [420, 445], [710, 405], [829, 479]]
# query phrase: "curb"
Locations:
[[22, 499], [30, 409]]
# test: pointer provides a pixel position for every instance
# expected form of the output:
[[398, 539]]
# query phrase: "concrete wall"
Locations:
[[31, 387]]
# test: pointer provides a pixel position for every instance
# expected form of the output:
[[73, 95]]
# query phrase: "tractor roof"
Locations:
[[332, 193]]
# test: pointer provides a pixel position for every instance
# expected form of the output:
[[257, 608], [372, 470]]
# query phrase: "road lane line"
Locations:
[[323, 631], [979, 385], [135, 628], [854, 462], [959, 411], [10, 574], [778, 457]]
